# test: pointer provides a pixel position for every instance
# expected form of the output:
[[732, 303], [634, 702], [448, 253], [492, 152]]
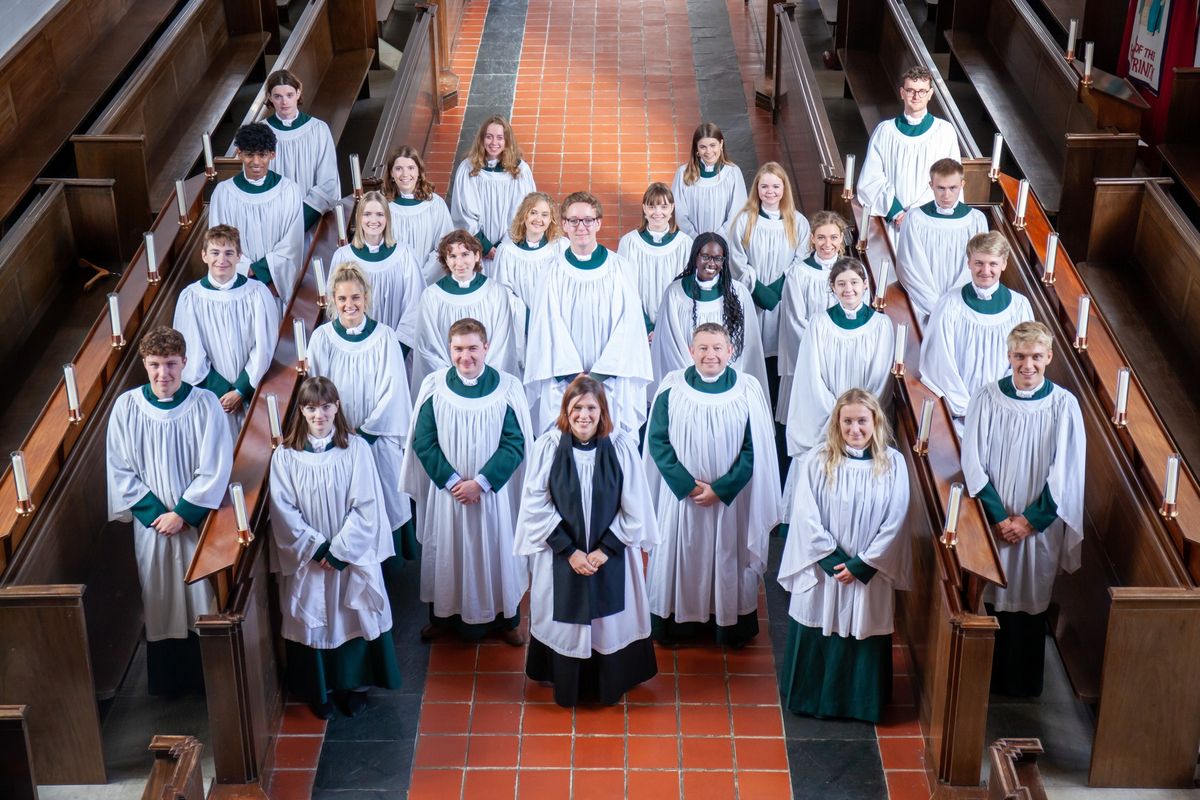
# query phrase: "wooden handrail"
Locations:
[[403, 98]]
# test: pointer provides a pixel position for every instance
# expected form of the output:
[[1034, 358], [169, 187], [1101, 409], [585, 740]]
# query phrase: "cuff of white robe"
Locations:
[[455, 480], [483, 482]]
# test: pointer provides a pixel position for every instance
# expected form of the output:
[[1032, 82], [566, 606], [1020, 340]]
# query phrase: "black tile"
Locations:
[[389, 716], [799, 727], [369, 766], [836, 770], [359, 794]]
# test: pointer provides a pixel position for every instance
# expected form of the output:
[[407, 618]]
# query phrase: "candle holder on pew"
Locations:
[[238, 496], [997, 150], [74, 410], [1120, 417], [1022, 204], [273, 420], [210, 167], [921, 445], [1169, 508], [185, 218], [879, 301], [950, 529], [1048, 270], [1081, 325], [848, 180], [898, 356], [25, 504], [863, 232]]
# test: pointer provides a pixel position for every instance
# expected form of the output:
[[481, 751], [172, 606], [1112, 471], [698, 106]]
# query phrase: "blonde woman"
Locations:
[[709, 189], [845, 556], [489, 185], [533, 243], [657, 250], [420, 218]]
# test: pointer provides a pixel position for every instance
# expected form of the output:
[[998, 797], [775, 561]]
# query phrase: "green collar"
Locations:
[[365, 254], [667, 238], [705, 172], [724, 382], [914, 130], [407, 201], [1009, 390], [368, 328], [960, 210], [999, 301], [866, 456], [275, 122], [498, 168], [599, 256], [765, 215], [840, 319], [488, 380], [246, 186], [238, 282], [524, 245], [450, 286], [308, 448], [691, 287], [811, 261], [181, 394]]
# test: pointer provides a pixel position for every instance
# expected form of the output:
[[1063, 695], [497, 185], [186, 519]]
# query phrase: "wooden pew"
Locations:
[[1062, 135], [1180, 149], [58, 74], [17, 778], [149, 135], [176, 773], [1015, 774]]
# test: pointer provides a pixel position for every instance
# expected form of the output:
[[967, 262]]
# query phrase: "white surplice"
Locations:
[[306, 154], [654, 263], [931, 253], [708, 204], [766, 259], [806, 293], [396, 285], [487, 201], [271, 226], [421, 226], [896, 167]]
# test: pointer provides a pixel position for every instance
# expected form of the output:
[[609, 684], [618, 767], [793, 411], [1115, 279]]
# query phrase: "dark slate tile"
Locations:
[[836, 770], [389, 716], [356, 794], [365, 766], [832, 730]]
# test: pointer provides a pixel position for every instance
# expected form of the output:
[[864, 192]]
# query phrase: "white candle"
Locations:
[[926, 421], [340, 214], [181, 200], [849, 181], [1088, 52], [208, 156], [114, 313], [881, 286], [1085, 308], [1022, 198], [1072, 29], [956, 492], [1170, 491], [997, 149], [319, 272], [151, 256], [72, 388], [301, 344], [864, 229], [273, 416], [1122, 391], [355, 173], [239, 506], [1051, 254], [19, 476], [901, 342]]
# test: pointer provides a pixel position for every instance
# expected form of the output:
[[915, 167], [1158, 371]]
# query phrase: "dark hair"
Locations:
[[658, 192], [468, 241], [705, 130], [257, 137], [731, 306], [163, 341], [316, 391], [849, 264], [424, 188], [582, 385], [466, 327], [282, 77], [917, 73]]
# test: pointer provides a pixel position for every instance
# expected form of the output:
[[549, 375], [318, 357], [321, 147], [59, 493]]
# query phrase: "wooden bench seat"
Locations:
[[49, 83], [1180, 148]]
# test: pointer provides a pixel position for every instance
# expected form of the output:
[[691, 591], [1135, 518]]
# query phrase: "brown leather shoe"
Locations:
[[514, 637]]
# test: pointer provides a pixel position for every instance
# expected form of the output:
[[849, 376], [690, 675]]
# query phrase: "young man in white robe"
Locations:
[[966, 341], [304, 149], [895, 172], [710, 463], [929, 250], [230, 324], [266, 208], [169, 456], [1024, 454], [587, 318], [463, 467]]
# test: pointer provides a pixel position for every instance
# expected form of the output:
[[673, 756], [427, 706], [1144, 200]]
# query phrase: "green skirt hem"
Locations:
[[472, 631], [836, 676], [313, 673]]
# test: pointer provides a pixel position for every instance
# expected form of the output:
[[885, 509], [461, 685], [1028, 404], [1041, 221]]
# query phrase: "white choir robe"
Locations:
[[487, 201], [332, 497], [895, 171], [588, 319], [708, 205], [230, 332], [522, 268], [863, 514], [445, 303], [673, 333], [468, 566], [305, 153], [709, 561], [421, 224], [181, 455], [931, 253], [1021, 448], [767, 260], [368, 371], [655, 264], [396, 285], [270, 220], [806, 293], [966, 342], [634, 525]]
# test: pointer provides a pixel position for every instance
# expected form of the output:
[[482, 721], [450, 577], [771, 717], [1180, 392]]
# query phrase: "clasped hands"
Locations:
[[1014, 529], [587, 563], [467, 492], [703, 495]]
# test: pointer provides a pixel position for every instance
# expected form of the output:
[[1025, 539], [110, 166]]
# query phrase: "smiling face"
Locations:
[[582, 225], [710, 353], [584, 417], [827, 242], [255, 165], [221, 258], [467, 353], [165, 374], [915, 95], [709, 150], [405, 173], [857, 425], [286, 101], [947, 189], [986, 268], [320, 418], [710, 261], [493, 140], [848, 288], [537, 221], [1029, 362], [461, 261], [658, 215], [770, 191], [373, 220], [350, 300]]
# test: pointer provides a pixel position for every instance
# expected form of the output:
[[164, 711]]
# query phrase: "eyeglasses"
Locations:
[[707, 259], [917, 92], [584, 222]]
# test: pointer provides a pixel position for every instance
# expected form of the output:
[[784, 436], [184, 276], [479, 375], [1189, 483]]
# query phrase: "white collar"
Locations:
[[253, 182], [588, 257], [320, 445], [407, 196], [945, 212], [357, 329], [915, 120], [223, 286], [852, 313], [1025, 394], [463, 284], [531, 243], [710, 283], [854, 451], [288, 122], [776, 214], [985, 294], [823, 262], [491, 162], [713, 379], [657, 236], [373, 248], [468, 381]]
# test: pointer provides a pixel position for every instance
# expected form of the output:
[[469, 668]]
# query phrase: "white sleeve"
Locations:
[[198, 363], [464, 200], [326, 189], [875, 189], [939, 364], [265, 332], [211, 477], [682, 213]]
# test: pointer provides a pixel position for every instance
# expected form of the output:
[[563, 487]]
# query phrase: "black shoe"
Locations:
[[356, 703], [322, 710]]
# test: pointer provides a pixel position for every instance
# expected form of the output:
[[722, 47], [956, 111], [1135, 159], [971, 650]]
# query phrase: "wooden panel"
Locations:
[[1088, 157], [1014, 770], [1183, 115], [176, 774], [17, 781]]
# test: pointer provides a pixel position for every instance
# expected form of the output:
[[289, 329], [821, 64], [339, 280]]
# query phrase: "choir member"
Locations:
[[168, 456], [710, 460], [420, 218], [901, 150], [531, 247], [806, 293], [709, 189], [930, 247], [1024, 454], [464, 291], [489, 184], [966, 340], [705, 292], [330, 533], [657, 250], [230, 324], [362, 357], [267, 210], [586, 516], [304, 148], [389, 265], [587, 318], [463, 467], [846, 555]]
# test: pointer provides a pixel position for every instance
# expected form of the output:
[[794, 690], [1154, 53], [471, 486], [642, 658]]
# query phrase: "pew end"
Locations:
[[1179, 151], [17, 777], [1015, 774], [176, 771]]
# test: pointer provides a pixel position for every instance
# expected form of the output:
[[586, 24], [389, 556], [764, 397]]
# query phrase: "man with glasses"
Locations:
[[587, 317], [895, 172]]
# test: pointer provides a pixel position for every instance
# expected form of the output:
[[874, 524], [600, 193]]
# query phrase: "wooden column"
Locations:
[[764, 86]]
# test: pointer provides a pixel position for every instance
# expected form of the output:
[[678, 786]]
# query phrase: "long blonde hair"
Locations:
[[347, 272], [787, 205], [389, 239], [516, 231], [834, 449], [510, 156], [705, 130]]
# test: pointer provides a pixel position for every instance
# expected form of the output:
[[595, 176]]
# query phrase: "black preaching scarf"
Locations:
[[579, 599]]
